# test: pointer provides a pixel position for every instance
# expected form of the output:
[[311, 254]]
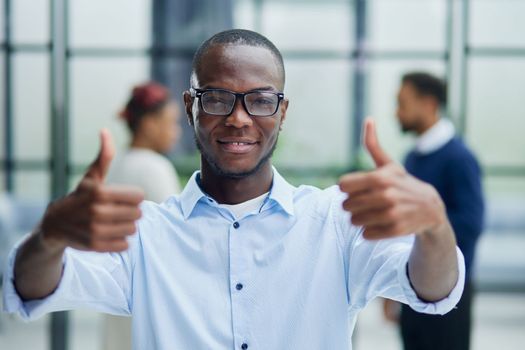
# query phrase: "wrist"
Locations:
[[49, 241]]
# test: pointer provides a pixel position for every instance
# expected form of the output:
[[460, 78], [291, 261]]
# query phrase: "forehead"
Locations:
[[239, 68], [408, 90]]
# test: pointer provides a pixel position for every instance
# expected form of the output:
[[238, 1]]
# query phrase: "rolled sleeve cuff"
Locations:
[[32, 309], [440, 307]]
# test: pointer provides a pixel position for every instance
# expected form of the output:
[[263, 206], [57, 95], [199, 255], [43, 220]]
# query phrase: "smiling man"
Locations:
[[241, 259]]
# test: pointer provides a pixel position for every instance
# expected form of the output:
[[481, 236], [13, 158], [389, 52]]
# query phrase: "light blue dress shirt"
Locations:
[[292, 275]]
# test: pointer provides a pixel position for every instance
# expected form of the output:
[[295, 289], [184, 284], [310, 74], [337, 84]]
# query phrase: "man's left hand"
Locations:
[[387, 201]]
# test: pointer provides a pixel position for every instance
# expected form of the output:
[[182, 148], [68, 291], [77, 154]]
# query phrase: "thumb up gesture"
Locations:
[[94, 216], [387, 201]]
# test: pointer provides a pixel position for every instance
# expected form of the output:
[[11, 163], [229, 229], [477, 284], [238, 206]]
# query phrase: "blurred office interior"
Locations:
[[66, 68]]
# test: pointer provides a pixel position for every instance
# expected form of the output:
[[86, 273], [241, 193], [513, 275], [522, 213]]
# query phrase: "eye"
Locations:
[[216, 98], [263, 101]]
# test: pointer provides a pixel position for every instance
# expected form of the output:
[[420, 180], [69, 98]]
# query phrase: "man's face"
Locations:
[[412, 108], [239, 144]]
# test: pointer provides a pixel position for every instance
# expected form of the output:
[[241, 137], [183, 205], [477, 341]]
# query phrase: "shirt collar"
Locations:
[[435, 137], [281, 192]]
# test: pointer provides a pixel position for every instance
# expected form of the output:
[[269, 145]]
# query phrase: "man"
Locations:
[[441, 159], [241, 259]]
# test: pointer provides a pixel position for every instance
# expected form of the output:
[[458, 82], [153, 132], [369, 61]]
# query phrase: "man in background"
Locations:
[[443, 160]]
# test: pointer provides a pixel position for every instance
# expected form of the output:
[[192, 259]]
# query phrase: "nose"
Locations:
[[239, 118]]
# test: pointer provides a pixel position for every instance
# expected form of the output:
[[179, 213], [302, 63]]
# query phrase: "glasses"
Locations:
[[222, 102]]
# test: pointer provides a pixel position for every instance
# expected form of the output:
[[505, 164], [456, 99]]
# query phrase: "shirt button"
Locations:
[[244, 346], [239, 286], [236, 224]]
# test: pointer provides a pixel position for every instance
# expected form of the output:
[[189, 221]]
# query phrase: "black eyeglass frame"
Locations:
[[197, 93]]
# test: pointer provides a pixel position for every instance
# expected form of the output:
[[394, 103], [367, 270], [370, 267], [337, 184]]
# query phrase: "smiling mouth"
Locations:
[[238, 147]]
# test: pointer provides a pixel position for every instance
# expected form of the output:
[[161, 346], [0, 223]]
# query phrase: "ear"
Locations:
[[284, 108], [188, 106]]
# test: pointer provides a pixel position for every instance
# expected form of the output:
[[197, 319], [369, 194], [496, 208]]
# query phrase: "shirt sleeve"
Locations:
[[379, 269], [96, 281]]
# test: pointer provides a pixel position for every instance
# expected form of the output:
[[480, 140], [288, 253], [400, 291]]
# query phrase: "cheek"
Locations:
[[203, 127], [270, 130]]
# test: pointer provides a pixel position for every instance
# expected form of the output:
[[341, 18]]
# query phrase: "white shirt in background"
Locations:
[[435, 137], [148, 170]]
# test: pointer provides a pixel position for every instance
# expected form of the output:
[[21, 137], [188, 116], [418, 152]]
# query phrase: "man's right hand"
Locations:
[[94, 216]]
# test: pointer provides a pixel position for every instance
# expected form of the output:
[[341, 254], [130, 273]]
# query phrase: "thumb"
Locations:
[[372, 144], [99, 168]]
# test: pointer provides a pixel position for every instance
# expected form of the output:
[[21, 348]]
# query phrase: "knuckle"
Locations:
[[389, 196], [131, 228], [99, 193], [94, 211], [94, 229], [392, 214], [381, 179]]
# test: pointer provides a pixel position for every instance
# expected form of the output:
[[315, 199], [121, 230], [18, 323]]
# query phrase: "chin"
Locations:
[[235, 172]]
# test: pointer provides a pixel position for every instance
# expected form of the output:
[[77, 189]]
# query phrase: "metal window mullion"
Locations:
[[359, 82], [8, 103], [59, 327], [462, 118]]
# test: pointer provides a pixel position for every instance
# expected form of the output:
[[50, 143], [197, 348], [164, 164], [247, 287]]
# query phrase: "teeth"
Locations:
[[239, 143]]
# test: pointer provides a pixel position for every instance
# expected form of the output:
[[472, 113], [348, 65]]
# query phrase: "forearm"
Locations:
[[38, 268], [433, 263]]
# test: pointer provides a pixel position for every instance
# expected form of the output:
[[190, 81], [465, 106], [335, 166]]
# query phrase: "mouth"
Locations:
[[237, 146]]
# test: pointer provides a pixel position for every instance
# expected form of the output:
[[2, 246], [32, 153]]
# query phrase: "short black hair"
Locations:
[[237, 37], [428, 85]]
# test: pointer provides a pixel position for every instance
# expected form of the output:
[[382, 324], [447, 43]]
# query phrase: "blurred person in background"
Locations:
[[152, 119], [442, 159]]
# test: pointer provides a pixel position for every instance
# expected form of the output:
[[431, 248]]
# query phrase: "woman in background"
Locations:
[[152, 118]]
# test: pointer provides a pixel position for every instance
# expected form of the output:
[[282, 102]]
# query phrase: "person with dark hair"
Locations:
[[441, 159], [152, 117], [241, 259]]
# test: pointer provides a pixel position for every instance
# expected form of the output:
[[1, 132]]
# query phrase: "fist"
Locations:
[[94, 216], [387, 201]]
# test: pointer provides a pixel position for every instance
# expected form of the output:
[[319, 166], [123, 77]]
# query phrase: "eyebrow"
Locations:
[[263, 88]]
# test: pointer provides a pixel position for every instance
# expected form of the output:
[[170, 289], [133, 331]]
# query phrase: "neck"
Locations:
[[226, 190], [141, 142], [427, 124]]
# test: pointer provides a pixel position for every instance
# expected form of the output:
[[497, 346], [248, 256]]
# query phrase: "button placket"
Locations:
[[238, 270]]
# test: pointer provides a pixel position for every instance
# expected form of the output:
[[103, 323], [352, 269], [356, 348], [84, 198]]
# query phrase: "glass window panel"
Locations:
[[2, 33], [74, 180], [2, 113], [495, 110], [504, 204], [497, 23], [309, 25], [2, 180], [111, 24], [406, 24], [99, 89], [244, 15], [317, 125], [87, 328], [381, 99], [18, 334], [31, 106], [504, 186], [31, 21], [32, 185]]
